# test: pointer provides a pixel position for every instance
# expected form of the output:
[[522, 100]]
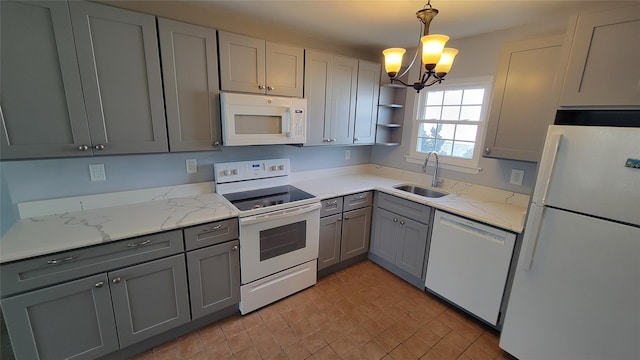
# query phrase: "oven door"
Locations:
[[278, 240]]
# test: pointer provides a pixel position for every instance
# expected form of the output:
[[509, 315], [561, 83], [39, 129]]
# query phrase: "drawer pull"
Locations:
[[346, 218], [334, 202], [360, 197], [142, 243], [217, 227], [234, 248], [58, 261], [100, 284], [401, 222], [395, 219], [116, 280]]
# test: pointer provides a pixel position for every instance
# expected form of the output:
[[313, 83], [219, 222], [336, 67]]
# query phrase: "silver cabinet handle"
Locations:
[[269, 88], [401, 222], [217, 227], [83, 148], [100, 284], [116, 280], [234, 248], [260, 87], [99, 147], [217, 143], [395, 219], [332, 140], [58, 261], [346, 218], [360, 197], [142, 243], [356, 139], [326, 140], [487, 151], [334, 202]]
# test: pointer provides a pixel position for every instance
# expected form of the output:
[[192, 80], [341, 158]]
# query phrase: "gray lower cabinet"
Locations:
[[73, 320], [400, 232], [150, 298], [191, 88], [345, 225]]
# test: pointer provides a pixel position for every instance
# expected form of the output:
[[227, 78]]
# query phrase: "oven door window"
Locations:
[[282, 239]]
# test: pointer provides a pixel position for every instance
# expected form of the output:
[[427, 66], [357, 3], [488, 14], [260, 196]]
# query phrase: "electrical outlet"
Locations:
[[192, 166], [347, 154], [516, 177], [96, 172]]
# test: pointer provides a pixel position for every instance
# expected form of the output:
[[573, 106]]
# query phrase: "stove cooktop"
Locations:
[[261, 198]]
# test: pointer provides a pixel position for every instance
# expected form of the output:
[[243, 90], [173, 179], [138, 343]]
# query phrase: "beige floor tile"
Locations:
[[296, 351], [267, 347], [326, 353], [249, 353]]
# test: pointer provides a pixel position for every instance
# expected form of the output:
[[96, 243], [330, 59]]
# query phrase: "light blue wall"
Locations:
[[46, 179]]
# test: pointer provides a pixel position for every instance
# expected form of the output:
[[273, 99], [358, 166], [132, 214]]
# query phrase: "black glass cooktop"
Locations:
[[260, 198]]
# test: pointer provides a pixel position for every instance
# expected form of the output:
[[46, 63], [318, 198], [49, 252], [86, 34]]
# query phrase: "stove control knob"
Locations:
[[227, 172], [274, 168], [280, 167]]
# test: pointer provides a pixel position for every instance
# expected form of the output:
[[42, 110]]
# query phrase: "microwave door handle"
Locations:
[[286, 122], [279, 214]]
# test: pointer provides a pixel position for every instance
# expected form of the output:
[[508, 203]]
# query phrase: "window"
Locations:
[[450, 120]]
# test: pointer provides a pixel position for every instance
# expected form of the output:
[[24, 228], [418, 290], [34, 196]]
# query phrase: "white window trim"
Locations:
[[469, 166]]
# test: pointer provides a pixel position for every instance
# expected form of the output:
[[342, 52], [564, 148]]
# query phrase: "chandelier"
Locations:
[[436, 58]]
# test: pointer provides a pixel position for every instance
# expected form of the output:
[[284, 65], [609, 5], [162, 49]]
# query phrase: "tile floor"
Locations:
[[362, 312]]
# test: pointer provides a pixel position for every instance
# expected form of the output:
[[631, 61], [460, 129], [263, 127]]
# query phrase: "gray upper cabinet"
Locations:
[[330, 89], [257, 66], [602, 64], [41, 102], [73, 320], [367, 103], [150, 298], [191, 90], [525, 97], [120, 72]]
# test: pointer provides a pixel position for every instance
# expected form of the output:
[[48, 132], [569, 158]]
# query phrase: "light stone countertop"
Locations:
[[50, 226]]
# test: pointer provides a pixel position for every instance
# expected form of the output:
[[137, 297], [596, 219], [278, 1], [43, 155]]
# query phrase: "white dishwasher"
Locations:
[[468, 264]]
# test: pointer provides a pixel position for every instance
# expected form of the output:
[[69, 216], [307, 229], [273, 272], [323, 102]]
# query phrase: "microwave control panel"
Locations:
[[298, 122]]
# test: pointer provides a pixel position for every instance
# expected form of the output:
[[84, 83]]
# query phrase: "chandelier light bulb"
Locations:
[[393, 60]]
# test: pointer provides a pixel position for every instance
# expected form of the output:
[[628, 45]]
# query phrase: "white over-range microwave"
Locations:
[[262, 120]]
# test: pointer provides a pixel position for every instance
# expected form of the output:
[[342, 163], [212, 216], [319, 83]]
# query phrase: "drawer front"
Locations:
[[406, 208], [51, 269], [210, 234], [357, 201], [331, 206]]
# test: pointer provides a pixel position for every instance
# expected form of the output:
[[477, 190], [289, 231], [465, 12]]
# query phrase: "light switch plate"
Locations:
[[516, 177], [192, 166], [347, 154], [97, 173]]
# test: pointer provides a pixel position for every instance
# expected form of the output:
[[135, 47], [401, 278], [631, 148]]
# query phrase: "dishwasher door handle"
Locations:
[[469, 228]]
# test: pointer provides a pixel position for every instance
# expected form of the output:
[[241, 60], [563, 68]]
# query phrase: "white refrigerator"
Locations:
[[576, 291]]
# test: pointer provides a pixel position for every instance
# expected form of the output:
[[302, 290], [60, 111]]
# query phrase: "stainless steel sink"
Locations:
[[418, 190]]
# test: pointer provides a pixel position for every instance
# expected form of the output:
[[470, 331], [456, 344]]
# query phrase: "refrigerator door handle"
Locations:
[[547, 163], [530, 239]]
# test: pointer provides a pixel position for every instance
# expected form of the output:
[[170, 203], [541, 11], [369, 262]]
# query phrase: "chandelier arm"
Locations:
[[435, 81], [415, 56], [400, 81]]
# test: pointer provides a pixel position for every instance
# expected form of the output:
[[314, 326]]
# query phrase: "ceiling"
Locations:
[[379, 24]]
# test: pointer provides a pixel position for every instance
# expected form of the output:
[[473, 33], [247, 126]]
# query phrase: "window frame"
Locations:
[[450, 162]]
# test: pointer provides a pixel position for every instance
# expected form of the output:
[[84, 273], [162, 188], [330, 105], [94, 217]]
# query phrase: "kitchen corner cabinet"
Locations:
[[191, 90], [89, 302], [367, 94], [390, 114], [399, 236], [345, 225], [257, 66], [602, 64], [42, 106], [120, 71], [525, 98]]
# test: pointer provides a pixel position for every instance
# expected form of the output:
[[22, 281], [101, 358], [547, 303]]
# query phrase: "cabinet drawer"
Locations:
[[406, 208], [357, 201], [210, 234], [331, 206], [46, 270]]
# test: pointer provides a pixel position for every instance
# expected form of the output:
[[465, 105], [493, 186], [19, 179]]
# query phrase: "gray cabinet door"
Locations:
[[367, 102], [384, 239], [284, 69], [214, 278], [329, 246], [356, 228], [242, 63], [73, 320], [150, 298], [318, 82], [412, 243], [191, 90], [524, 100], [120, 71], [343, 100], [41, 102]]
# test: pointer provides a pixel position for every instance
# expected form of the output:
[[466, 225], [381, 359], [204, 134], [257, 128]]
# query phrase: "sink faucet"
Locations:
[[434, 181]]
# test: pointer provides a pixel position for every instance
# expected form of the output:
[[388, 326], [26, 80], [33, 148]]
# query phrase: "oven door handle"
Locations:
[[299, 210]]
